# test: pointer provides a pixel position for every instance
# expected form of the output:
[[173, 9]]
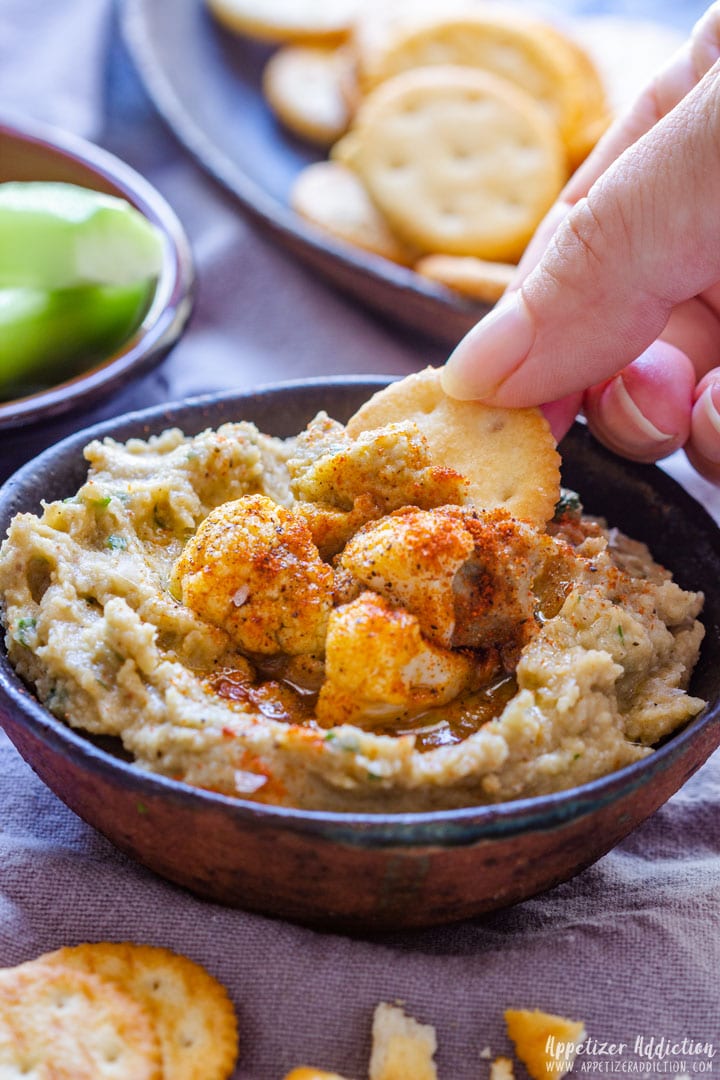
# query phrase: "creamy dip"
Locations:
[[326, 623]]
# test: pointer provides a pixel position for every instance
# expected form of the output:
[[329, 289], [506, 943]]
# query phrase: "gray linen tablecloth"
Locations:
[[631, 946]]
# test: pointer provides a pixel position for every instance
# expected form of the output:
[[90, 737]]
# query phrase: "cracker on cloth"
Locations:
[[508, 455], [306, 1072], [194, 1018], [59, 1023], [401, 1047], [545, 1043]]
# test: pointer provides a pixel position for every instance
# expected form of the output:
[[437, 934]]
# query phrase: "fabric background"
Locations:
[[631, 946]]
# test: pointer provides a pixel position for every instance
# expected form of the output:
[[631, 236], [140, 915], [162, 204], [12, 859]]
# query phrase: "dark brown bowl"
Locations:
[[371, 871], [36, 152]]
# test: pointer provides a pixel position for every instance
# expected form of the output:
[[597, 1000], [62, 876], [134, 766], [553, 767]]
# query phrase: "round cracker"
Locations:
[[378, 21], [333, 197], [477, 278], [508, 455], [194, 1017], [459, 161], [287, 20], [484, 37], [303, 85], [592, 109], [58, 1021]]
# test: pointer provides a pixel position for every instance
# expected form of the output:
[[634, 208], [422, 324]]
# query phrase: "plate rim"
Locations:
[[278, 218]]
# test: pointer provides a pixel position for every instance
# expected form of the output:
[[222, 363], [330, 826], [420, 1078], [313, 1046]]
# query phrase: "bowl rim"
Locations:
[[172, 300], [413, 828]]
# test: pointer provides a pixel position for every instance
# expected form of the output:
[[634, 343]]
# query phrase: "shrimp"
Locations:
[[253, 570], [467, 575], [411, 558], [379, 667]]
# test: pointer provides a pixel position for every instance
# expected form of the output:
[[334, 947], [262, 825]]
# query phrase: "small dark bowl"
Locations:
[[36, 152], [364, 871]]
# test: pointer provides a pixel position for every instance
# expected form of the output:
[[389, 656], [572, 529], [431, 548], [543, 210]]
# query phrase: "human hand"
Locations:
[[616, 304]]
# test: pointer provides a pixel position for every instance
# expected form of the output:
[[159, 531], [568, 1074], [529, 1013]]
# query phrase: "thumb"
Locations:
[[646, 237]]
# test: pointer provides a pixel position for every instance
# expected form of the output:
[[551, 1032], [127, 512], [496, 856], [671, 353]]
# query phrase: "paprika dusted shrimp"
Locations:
[[468, 575], [379, 667], [253, 570]]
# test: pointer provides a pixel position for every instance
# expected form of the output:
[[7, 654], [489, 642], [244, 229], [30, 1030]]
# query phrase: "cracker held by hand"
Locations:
[[193, 1016], [61, 1023], [508, 455]]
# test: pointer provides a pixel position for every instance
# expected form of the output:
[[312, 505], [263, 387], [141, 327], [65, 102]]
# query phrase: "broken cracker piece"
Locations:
[[546, 1044], [401, 1047], [306, 1072], [502, 1069]]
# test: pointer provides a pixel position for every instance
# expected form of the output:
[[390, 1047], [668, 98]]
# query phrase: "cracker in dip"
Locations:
[[344, 621]]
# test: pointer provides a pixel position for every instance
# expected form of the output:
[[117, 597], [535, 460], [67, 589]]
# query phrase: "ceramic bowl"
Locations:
[[37, 152], [364, 872]]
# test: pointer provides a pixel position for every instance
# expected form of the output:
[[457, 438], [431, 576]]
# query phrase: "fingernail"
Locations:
[[491, 352], [618, 407], [706, 422]]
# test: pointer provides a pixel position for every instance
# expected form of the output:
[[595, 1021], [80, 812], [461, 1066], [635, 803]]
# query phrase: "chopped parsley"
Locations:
[[568, 505], [116, 543], [57, 700], [24, 629]]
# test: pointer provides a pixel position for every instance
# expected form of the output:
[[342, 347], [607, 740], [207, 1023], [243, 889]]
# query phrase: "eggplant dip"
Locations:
[[330, 622]]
